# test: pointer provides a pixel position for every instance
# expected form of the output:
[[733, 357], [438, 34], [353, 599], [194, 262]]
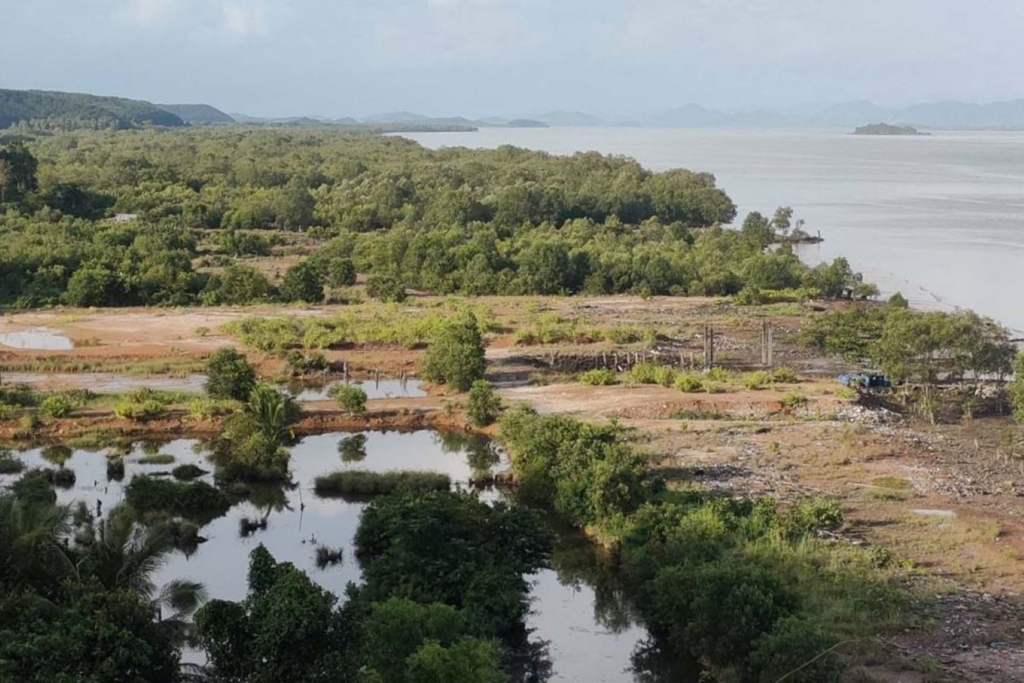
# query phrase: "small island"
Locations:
[[887, 129]]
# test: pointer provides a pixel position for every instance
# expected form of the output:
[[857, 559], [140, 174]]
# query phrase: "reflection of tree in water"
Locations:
[[525, 659], [652, 664], [57, 454], [579, 562], [482, 454], [353, 448]]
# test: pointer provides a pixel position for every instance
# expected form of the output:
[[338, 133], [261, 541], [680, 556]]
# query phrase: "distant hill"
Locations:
[[886, 129], [197, 114], [61, 110]]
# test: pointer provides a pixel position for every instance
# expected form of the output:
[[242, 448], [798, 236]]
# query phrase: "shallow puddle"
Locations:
[[105, 382], [37, 339]]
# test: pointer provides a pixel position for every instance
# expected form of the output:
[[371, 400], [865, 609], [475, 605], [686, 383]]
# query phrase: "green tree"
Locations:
[[90, 286], [483, 404], [385, 287], [229, 375], [237, 285], [340, 272], [758, 230], [352, 399], [479, 568], [467, 661], [287, 629], [96, 635], [1016, 388], [302, 282], [456, 356]]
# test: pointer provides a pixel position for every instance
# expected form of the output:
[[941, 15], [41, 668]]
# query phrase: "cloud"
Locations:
[[150, 13], [244, 20]]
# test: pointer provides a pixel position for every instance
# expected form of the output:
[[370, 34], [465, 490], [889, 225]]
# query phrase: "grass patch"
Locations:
[[158, 459], [187, 472], [363, 483], [699, 415]]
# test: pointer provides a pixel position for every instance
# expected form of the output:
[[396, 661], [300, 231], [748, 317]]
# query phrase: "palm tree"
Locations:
[[125, 555], [33, 549], [273, 413]]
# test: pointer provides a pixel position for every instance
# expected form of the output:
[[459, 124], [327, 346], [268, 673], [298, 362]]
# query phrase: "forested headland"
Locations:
[[197, 204]]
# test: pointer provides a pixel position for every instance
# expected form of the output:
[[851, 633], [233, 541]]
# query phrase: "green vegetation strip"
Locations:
[[359, 482]]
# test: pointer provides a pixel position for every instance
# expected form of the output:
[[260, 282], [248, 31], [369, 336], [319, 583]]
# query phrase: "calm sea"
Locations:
[[938, 218]]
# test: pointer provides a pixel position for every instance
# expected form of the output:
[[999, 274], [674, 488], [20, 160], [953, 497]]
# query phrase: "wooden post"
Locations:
[[771, 346]]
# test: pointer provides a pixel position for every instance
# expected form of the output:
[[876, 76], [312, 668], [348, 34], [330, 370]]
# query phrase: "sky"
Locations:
[[515, 57]]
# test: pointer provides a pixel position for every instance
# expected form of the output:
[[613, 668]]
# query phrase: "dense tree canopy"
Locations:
[[505, 221]]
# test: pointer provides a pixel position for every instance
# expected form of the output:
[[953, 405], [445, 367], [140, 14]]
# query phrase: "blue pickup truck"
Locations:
[[866, 380]]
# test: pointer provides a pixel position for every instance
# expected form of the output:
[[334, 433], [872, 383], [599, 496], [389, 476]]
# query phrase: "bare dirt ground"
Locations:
[[946, 500]]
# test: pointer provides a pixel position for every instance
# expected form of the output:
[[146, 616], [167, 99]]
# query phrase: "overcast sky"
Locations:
[[514, 57]]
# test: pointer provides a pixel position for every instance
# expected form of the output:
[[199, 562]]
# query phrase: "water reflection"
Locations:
[[375, 389]]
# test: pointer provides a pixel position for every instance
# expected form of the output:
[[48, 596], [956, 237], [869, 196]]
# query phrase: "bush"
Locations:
[[140, 412], [115, 468], [483, 405], [151, 494], [643, 373], [64, 478], [55, 407], [794, 400], [10, 464], [689, 383], [385, 288], [350, 398], [35, 486], [794, 649], [784, 375], [187, 472], [302, 282], [756, 380], [456, 356], [229, 375], [157, 459], [598, 378], [363, 483]]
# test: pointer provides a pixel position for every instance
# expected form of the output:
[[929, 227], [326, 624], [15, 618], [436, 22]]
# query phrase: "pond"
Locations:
[[375, 389], [37, 339], [589, 636]]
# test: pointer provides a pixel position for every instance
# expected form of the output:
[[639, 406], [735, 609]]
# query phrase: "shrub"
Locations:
[[151, 494], [229, 375], [456, 356], [385, 288], [298, 364], [363, 483], [35, 486], [55, 407], [140, 412], [784, 375], [794, 400], [157, 459], [718, 374], [756, 380], [795, 649], [187, 472], [689, 383], [483, 405], [350, 398], [115, 468], [7, 411], [302, 282], [327, 557], [598, 378], [64, 478], [207, 409], [643, 373], [10, 464]]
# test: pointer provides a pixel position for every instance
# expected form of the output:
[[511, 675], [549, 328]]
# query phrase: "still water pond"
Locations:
[[589, 637], [36, 339], [382, 388]]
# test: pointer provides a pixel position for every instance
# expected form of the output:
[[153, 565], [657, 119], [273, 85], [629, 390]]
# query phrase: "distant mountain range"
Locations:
[[53, 110], [935, 115]]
